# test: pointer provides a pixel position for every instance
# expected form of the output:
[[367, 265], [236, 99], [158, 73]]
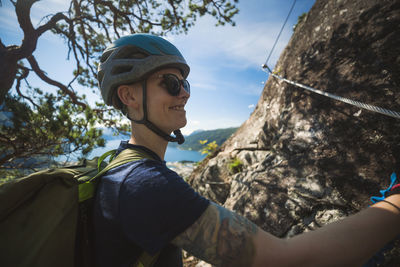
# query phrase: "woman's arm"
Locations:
[[224, 238], [348, 242]]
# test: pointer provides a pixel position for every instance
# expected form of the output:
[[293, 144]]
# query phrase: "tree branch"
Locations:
[[23, 11], [6, 158], [83, 31], [125, 15], [23, 153], [7, 140], [32, 61], [25, 73], [72, 45], [171, 3], [99, 22], [52, 23]]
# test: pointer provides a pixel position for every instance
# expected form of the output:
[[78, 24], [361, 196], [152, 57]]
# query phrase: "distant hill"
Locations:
[[196, 131], [192, 141]]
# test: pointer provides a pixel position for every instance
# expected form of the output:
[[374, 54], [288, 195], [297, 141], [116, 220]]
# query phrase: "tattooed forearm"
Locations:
[[220, 237]]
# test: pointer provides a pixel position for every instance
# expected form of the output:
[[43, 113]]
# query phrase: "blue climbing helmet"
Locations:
[[132, 59]]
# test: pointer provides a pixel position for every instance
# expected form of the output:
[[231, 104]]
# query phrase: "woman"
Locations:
[[144, 206]]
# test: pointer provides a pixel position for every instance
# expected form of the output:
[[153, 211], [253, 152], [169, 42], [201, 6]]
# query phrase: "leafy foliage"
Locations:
[[235, 166], [209, 148], [47, 129], [9, 175], [62, 121], [300, 19]]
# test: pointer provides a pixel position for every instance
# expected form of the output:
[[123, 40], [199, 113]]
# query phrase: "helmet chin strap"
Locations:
[[178, 135]]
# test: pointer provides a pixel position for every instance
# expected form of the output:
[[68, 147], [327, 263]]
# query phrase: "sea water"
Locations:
[[172, 154], [175, 154]]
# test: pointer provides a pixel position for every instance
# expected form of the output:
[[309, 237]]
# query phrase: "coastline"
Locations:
[[182, 168]]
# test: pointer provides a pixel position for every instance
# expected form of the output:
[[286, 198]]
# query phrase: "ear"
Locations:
[[129, 95]]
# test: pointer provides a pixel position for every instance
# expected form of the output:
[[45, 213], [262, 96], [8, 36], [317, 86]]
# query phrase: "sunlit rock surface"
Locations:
[[309, 160]]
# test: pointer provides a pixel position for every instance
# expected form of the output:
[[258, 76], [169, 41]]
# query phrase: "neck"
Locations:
[[145, 137]]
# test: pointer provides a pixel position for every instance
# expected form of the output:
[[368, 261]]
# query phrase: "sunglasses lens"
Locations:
[[186, 86], [173, 84]]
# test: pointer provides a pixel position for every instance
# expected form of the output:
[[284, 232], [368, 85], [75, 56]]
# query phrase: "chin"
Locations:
[[179, 125], [183, 123]]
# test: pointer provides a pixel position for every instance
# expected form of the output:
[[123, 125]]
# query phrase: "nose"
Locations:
[[183, 92]]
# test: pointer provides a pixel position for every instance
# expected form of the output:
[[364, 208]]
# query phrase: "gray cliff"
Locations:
[[309, 160]]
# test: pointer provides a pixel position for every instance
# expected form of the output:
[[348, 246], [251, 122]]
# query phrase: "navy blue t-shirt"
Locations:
[[142, 205]]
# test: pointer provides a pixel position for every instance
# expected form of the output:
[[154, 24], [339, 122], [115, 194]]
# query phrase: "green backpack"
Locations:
[[45, 217]]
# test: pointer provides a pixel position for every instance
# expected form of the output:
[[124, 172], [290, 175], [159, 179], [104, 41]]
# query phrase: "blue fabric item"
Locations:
[[379, 257], [142, 205], [383, 192]]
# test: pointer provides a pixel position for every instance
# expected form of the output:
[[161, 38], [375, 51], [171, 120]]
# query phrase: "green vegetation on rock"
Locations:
[[235, 166], [209, 148], [300, 19]]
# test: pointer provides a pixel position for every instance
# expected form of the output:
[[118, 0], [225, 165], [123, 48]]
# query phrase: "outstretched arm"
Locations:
[[224, 238], [351, 241]]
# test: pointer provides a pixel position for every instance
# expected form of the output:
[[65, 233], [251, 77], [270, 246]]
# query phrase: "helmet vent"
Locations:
[[121, 69], [131, 53], [137, 55], [105, 56]]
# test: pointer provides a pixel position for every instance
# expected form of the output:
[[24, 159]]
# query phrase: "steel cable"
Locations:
[[358, 104]]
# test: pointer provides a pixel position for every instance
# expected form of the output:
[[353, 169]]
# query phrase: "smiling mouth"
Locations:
[[179, 108]]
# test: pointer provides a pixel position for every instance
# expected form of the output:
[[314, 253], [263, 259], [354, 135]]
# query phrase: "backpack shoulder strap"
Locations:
[[87, 186], [146, 260], [126, 155]]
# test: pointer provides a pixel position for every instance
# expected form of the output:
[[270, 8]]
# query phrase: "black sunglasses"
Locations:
[[173, 84]]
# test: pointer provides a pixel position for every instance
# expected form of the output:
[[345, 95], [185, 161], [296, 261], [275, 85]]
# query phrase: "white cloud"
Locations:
[[204, 86], [251, 106], [245, 45], [43, 8], [192, 125], [8, 19]]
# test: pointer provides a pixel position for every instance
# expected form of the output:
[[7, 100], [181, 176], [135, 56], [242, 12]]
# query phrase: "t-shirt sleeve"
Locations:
[[156, 205]]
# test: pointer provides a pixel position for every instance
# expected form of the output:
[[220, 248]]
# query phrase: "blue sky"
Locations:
[[226, 75]]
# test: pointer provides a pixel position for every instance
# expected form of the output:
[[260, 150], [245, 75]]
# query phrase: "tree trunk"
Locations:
[[8, 71]]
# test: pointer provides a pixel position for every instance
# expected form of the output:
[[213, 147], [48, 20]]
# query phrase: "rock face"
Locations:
[[309, 160]]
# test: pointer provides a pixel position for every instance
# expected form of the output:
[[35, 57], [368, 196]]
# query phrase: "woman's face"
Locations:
[[167, 112]]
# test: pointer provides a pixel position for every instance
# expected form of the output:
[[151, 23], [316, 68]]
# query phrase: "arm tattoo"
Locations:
[[220, 237]]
